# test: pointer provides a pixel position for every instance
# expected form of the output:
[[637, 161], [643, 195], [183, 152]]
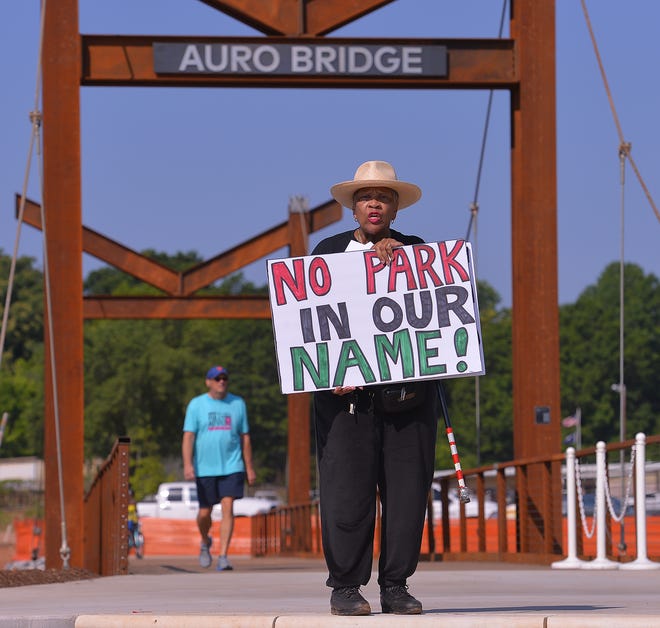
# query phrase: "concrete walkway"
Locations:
[[290, 593]]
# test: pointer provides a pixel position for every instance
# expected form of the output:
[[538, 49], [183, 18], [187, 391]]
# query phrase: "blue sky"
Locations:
[[206, 169]]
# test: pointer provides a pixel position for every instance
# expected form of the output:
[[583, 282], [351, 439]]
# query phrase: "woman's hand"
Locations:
[[343, 390], [384, 249]]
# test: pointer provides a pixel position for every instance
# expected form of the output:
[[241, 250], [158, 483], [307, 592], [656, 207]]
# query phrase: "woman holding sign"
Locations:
[[374, 439]]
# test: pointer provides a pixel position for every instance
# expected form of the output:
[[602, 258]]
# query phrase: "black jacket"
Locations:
[[326, 404], [338, 242]]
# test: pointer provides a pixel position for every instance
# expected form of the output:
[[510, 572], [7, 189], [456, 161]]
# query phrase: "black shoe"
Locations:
[[397, 600], [348, 601]]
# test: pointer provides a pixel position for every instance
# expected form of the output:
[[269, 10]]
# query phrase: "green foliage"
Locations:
[[589, 336], [22, 397], [147, 469], [21, 375], [24, 333], [141, 374], [246, 349], [493, 440], [134, 380]]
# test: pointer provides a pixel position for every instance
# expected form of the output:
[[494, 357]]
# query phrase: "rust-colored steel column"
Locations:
[[534, 254], [299, 403], [63, 237]]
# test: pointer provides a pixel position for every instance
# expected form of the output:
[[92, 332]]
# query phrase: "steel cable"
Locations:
[[624, 146]]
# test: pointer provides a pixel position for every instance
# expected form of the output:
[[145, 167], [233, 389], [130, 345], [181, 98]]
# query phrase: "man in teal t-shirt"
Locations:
[[217, 454]]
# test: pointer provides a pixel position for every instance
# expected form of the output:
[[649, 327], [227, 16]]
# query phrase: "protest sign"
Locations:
[[347, 319]]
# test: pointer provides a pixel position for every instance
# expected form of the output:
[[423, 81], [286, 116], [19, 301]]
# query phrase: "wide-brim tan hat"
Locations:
[[375, 174]]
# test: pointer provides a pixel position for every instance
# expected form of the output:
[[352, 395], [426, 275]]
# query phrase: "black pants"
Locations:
[[363, 453]]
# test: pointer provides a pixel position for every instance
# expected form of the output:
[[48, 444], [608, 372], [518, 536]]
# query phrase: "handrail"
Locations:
[[105, 510], [290, 530], [535, 538], [512, 534]]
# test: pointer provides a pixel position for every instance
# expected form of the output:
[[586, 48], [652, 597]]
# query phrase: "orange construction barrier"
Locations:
[[30, 541], [180, 537]]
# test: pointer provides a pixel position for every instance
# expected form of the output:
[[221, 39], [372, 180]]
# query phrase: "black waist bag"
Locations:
[[400, 397]]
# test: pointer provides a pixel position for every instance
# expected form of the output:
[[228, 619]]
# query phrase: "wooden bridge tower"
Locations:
[[524, 65]]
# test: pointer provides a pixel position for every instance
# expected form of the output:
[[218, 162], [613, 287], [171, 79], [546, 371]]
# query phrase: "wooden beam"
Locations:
[[113, 253], [201, 275], [256, 248], [211, 307], [534, 234], [535, 325], [296, 17], [128, 61], [63, 369]]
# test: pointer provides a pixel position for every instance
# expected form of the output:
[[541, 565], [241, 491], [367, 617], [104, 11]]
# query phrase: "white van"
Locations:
[[178, 500]]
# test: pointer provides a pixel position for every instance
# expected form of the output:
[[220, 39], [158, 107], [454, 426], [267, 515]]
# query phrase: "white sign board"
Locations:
[[307, 57], [346, 319]]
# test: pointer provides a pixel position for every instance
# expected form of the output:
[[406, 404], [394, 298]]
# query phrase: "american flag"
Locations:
[[569, 421]]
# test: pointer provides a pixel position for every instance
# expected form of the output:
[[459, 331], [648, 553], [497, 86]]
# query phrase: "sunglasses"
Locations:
[[221, 378]]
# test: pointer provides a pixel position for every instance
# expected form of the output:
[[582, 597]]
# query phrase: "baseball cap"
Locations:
[[214, 371]]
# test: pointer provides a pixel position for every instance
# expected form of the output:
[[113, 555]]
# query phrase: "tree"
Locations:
[[24, 333], [146, 468], [22, 397], [589, 336], [21, 372], [141, 374], [246, 349], [495, 393]]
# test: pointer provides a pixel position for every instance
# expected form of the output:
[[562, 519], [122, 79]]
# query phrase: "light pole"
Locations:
[[624, 150], [621, 389]]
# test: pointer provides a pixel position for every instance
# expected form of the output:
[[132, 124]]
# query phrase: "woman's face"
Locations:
[[374, 209]]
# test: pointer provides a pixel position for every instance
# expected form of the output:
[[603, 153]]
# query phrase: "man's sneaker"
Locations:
[[224, 564], [205, 553], [397, 600], [348, 601]]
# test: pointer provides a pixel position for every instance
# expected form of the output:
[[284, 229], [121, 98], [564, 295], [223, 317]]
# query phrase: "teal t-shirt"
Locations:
[[217, 425]]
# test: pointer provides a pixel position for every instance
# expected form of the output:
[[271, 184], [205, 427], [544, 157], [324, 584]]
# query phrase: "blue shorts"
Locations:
[[211, 489]]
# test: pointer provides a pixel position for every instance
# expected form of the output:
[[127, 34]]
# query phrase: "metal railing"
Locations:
[[529, 526], [526, 528], [289, 530], [105, 511]]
